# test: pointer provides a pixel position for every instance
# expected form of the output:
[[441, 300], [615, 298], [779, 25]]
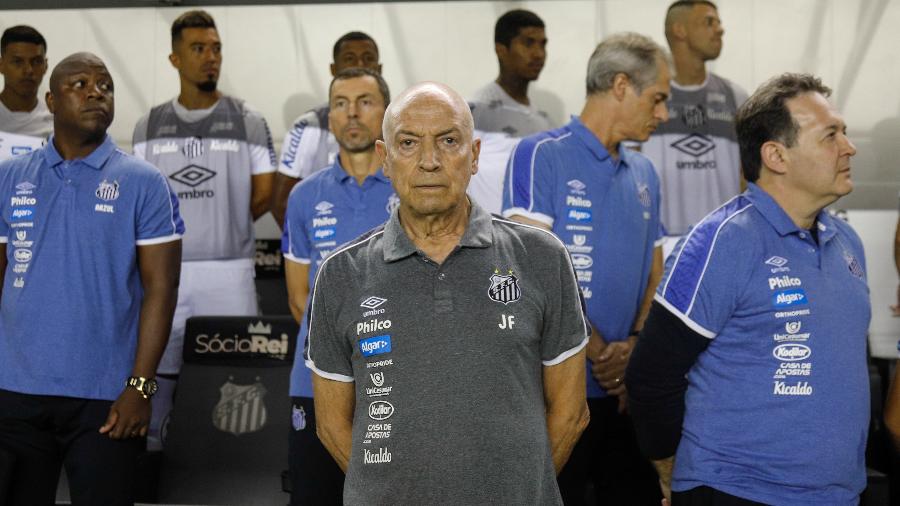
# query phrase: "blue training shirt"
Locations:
[[606, 211], [72, 291], [777, 407], [325, 210]]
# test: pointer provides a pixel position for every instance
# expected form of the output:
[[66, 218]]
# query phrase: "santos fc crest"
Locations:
[[504, 288], [240, 409]]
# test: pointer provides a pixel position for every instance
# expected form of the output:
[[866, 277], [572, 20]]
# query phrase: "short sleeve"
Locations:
[[139, 138], [529, 185], [565, 330], [706, 272], [299, 151], [294, 240], [259, 140], [328, 353], [158, 220]]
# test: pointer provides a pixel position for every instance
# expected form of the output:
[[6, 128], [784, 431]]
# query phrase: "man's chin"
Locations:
[[207, 86]]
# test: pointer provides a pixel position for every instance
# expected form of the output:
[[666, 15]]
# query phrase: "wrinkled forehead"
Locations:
[[433, 113], [812, 111]]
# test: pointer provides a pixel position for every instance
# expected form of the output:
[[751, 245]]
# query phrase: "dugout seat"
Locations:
[[226, 440]]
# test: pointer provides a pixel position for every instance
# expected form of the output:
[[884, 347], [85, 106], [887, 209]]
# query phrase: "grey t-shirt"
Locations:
[[209, 157], [696, 152], [447, 361]]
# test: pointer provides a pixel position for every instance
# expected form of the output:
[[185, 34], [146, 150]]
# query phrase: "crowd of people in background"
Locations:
[[648, 303]]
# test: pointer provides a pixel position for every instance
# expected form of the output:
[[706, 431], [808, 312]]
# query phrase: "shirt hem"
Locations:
[[329, 375], [520, 211]]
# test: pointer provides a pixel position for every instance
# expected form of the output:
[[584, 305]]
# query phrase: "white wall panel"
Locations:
[[276, 57]]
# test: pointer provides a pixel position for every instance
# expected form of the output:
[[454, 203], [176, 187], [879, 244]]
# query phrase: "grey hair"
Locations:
[[628, 53]]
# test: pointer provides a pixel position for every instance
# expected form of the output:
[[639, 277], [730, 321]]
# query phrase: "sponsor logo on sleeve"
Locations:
[[375, 345], [22, 255]]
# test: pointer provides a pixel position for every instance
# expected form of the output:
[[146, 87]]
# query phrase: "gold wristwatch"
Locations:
[[146, 386]]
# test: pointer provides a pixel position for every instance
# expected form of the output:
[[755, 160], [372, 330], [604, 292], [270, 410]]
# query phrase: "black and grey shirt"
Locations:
[[448, 361]]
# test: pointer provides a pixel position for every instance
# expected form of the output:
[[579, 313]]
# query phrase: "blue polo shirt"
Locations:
[[325, 210], [72, 291], [777, 407], [606, 211]]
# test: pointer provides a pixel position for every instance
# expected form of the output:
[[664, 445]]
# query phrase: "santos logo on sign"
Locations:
[[240, 409]]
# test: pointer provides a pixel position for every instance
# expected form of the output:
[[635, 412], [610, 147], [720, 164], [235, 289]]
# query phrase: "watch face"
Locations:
[[150, 387]]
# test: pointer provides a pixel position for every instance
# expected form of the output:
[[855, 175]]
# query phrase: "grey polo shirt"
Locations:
[[448, 361]]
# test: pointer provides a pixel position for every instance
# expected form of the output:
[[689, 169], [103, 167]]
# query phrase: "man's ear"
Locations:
[[620, 86], [48, 98], [775, 157], [381, 153]]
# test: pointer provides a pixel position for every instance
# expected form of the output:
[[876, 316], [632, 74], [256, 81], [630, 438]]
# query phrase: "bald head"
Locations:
[[427, 93], [73, 64], [680, 12]]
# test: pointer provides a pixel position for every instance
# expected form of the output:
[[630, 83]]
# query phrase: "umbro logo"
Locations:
[[576, 186], [193, 175], [777, 261], [372, 302], [695, 145]]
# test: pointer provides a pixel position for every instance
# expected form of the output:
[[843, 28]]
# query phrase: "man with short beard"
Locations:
[[331, 207], [25, 122], [218, 155]]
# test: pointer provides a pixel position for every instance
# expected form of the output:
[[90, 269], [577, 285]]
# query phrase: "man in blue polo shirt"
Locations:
[[752, 363], [602, 200], [90, 243], [331, 207]]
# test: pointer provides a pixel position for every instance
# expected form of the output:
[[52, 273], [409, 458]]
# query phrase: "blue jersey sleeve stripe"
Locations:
[[680, 289], [521, 167]]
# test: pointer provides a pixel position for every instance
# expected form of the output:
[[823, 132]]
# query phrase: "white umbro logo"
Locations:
[[372, 302], [776, 261], [324, 207], [577, 186]]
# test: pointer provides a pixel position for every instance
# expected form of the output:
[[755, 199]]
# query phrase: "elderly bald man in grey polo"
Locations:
[[448, 345]]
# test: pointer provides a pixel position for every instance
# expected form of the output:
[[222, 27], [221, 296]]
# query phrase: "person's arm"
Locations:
[[567, 411], [892, 409], [529, 221], [261, 193], [160, 269], [896, 308], [283, 186], [3, 263], [297, 276], [334, 404], [656, 381]]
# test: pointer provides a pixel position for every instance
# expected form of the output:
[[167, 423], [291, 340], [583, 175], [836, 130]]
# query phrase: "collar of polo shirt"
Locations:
[[397, 244], [95, 160]]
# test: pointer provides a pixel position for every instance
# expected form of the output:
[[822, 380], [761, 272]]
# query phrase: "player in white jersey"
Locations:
[[218, 156], [309, 146], [696, 151], [502, 111], [25, 122]]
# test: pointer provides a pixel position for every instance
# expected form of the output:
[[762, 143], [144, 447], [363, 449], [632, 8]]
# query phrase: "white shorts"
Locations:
[[209, 288]]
